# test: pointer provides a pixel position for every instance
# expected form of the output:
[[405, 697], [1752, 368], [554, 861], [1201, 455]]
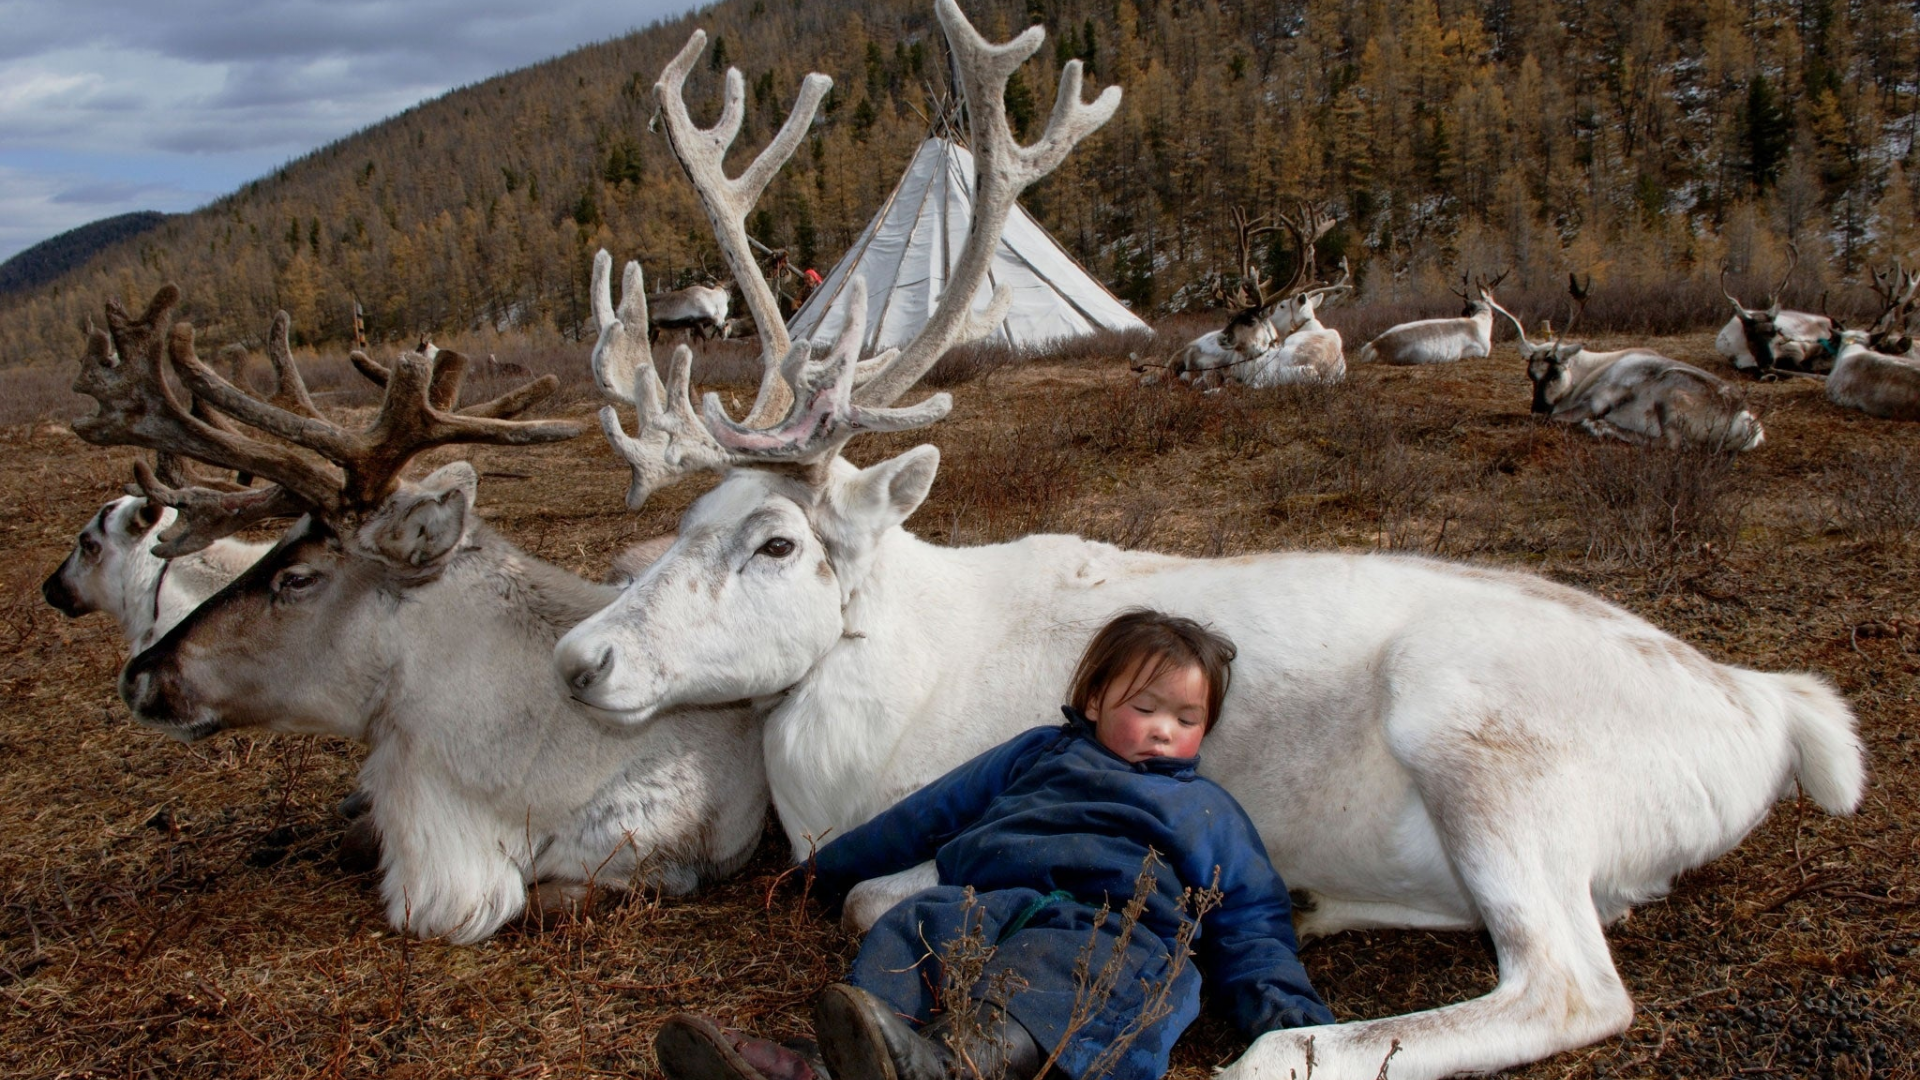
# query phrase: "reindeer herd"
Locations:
[[1636, 394], [1423, 743]]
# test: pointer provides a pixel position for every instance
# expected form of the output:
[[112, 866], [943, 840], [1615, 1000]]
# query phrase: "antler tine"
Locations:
[[122, 371], [823, 416], [1726, 292], [289, 389], [1579, 294], [727, 201], [210, 510], [670, 441], [505, 407], [1793, 260], [1461, 292], [1003, 169], [1519, 330]]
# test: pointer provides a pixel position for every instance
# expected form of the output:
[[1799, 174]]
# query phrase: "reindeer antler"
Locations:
[[728, 200], [1252, 291], [827, 402], [674, 439], [1003, 169], [1896, 289], [1579, 292], [122, 372], [1793, 260], [1307, 226]]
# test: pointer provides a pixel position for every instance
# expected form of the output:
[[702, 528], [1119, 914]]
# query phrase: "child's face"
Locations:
[[1165, 718]]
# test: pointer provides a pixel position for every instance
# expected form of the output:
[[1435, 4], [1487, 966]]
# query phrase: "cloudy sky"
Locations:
[[108, 106]]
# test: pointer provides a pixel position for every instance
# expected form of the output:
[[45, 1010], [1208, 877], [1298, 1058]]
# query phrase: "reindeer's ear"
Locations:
[[423, 524], [887, 494], [146, 517]]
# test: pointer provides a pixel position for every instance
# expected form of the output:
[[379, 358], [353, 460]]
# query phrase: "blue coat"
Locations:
[[1045, 828]]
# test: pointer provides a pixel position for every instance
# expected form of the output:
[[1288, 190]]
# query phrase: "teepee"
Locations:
[[908, 250]]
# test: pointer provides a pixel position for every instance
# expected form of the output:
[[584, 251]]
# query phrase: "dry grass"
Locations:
[[175, 911]]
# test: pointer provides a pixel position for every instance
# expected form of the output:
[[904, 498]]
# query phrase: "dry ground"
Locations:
[[176, 911]]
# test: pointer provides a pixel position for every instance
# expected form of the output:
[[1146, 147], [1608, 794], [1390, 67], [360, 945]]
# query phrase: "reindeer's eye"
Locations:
[[89, 546], [777, 548], [295, 580]]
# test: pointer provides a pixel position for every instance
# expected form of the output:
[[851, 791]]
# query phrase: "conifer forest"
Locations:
[[1645, 142]]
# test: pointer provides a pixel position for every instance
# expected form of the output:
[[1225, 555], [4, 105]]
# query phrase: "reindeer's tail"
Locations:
[[1745, 432], [1366, 355], [1830, 763]]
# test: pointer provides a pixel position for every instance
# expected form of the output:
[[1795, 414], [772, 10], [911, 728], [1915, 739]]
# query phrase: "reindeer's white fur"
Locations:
[[120, 575], [1433, 341], [1876, 383], [1422, 744], [1309, 353], [694, 307], [432, 639], [1797, 336]]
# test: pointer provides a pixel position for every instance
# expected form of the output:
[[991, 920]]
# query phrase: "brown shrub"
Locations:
[[40, 392], [1650, 506], [1874, 496], [1345, 453]]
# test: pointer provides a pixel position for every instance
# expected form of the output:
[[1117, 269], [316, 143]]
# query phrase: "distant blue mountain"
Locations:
[[48, 259]]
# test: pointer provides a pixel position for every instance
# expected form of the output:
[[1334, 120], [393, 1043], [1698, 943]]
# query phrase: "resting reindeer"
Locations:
[[1421, 743], [1886, 385], [1439, 341], [112, 569], [390, 612], [1253, 349], [1635, 395], [697, 309], [1760, 340], [1209, 360], [1310, 352]]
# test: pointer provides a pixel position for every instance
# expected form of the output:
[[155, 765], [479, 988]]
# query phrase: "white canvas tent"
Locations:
[[908, 251]]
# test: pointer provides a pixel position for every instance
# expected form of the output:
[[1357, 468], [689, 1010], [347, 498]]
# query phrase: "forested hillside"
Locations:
[[49, 259], [1641, 141]]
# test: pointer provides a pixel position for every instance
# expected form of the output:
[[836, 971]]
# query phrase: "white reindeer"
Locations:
[[1422, 744], [112, 569], [1634, 395], [1885, 385], [1253, 350], [1759, 340], [1213, 359], [1311, 353], [391, 613], [1439, 341], [697, 309]]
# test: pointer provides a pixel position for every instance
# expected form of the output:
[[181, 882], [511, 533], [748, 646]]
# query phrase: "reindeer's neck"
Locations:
[[940, 640]]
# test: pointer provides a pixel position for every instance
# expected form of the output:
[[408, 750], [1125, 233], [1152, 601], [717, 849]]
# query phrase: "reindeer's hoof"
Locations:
[[359, 851]]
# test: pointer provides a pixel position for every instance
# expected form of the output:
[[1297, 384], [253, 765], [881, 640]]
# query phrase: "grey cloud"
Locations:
[[104, 193]]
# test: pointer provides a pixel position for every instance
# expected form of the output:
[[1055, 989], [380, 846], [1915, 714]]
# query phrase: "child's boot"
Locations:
[[997, 1047], [862, 1038], [696, 1048]]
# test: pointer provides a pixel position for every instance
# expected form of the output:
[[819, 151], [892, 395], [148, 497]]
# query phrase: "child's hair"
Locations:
[[1152, 643]]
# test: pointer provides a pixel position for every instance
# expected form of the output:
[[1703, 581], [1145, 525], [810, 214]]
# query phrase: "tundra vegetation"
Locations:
[[192, 889]]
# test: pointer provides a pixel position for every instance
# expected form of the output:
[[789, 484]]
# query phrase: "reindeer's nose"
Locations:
[[584, 672], [55, 590]]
